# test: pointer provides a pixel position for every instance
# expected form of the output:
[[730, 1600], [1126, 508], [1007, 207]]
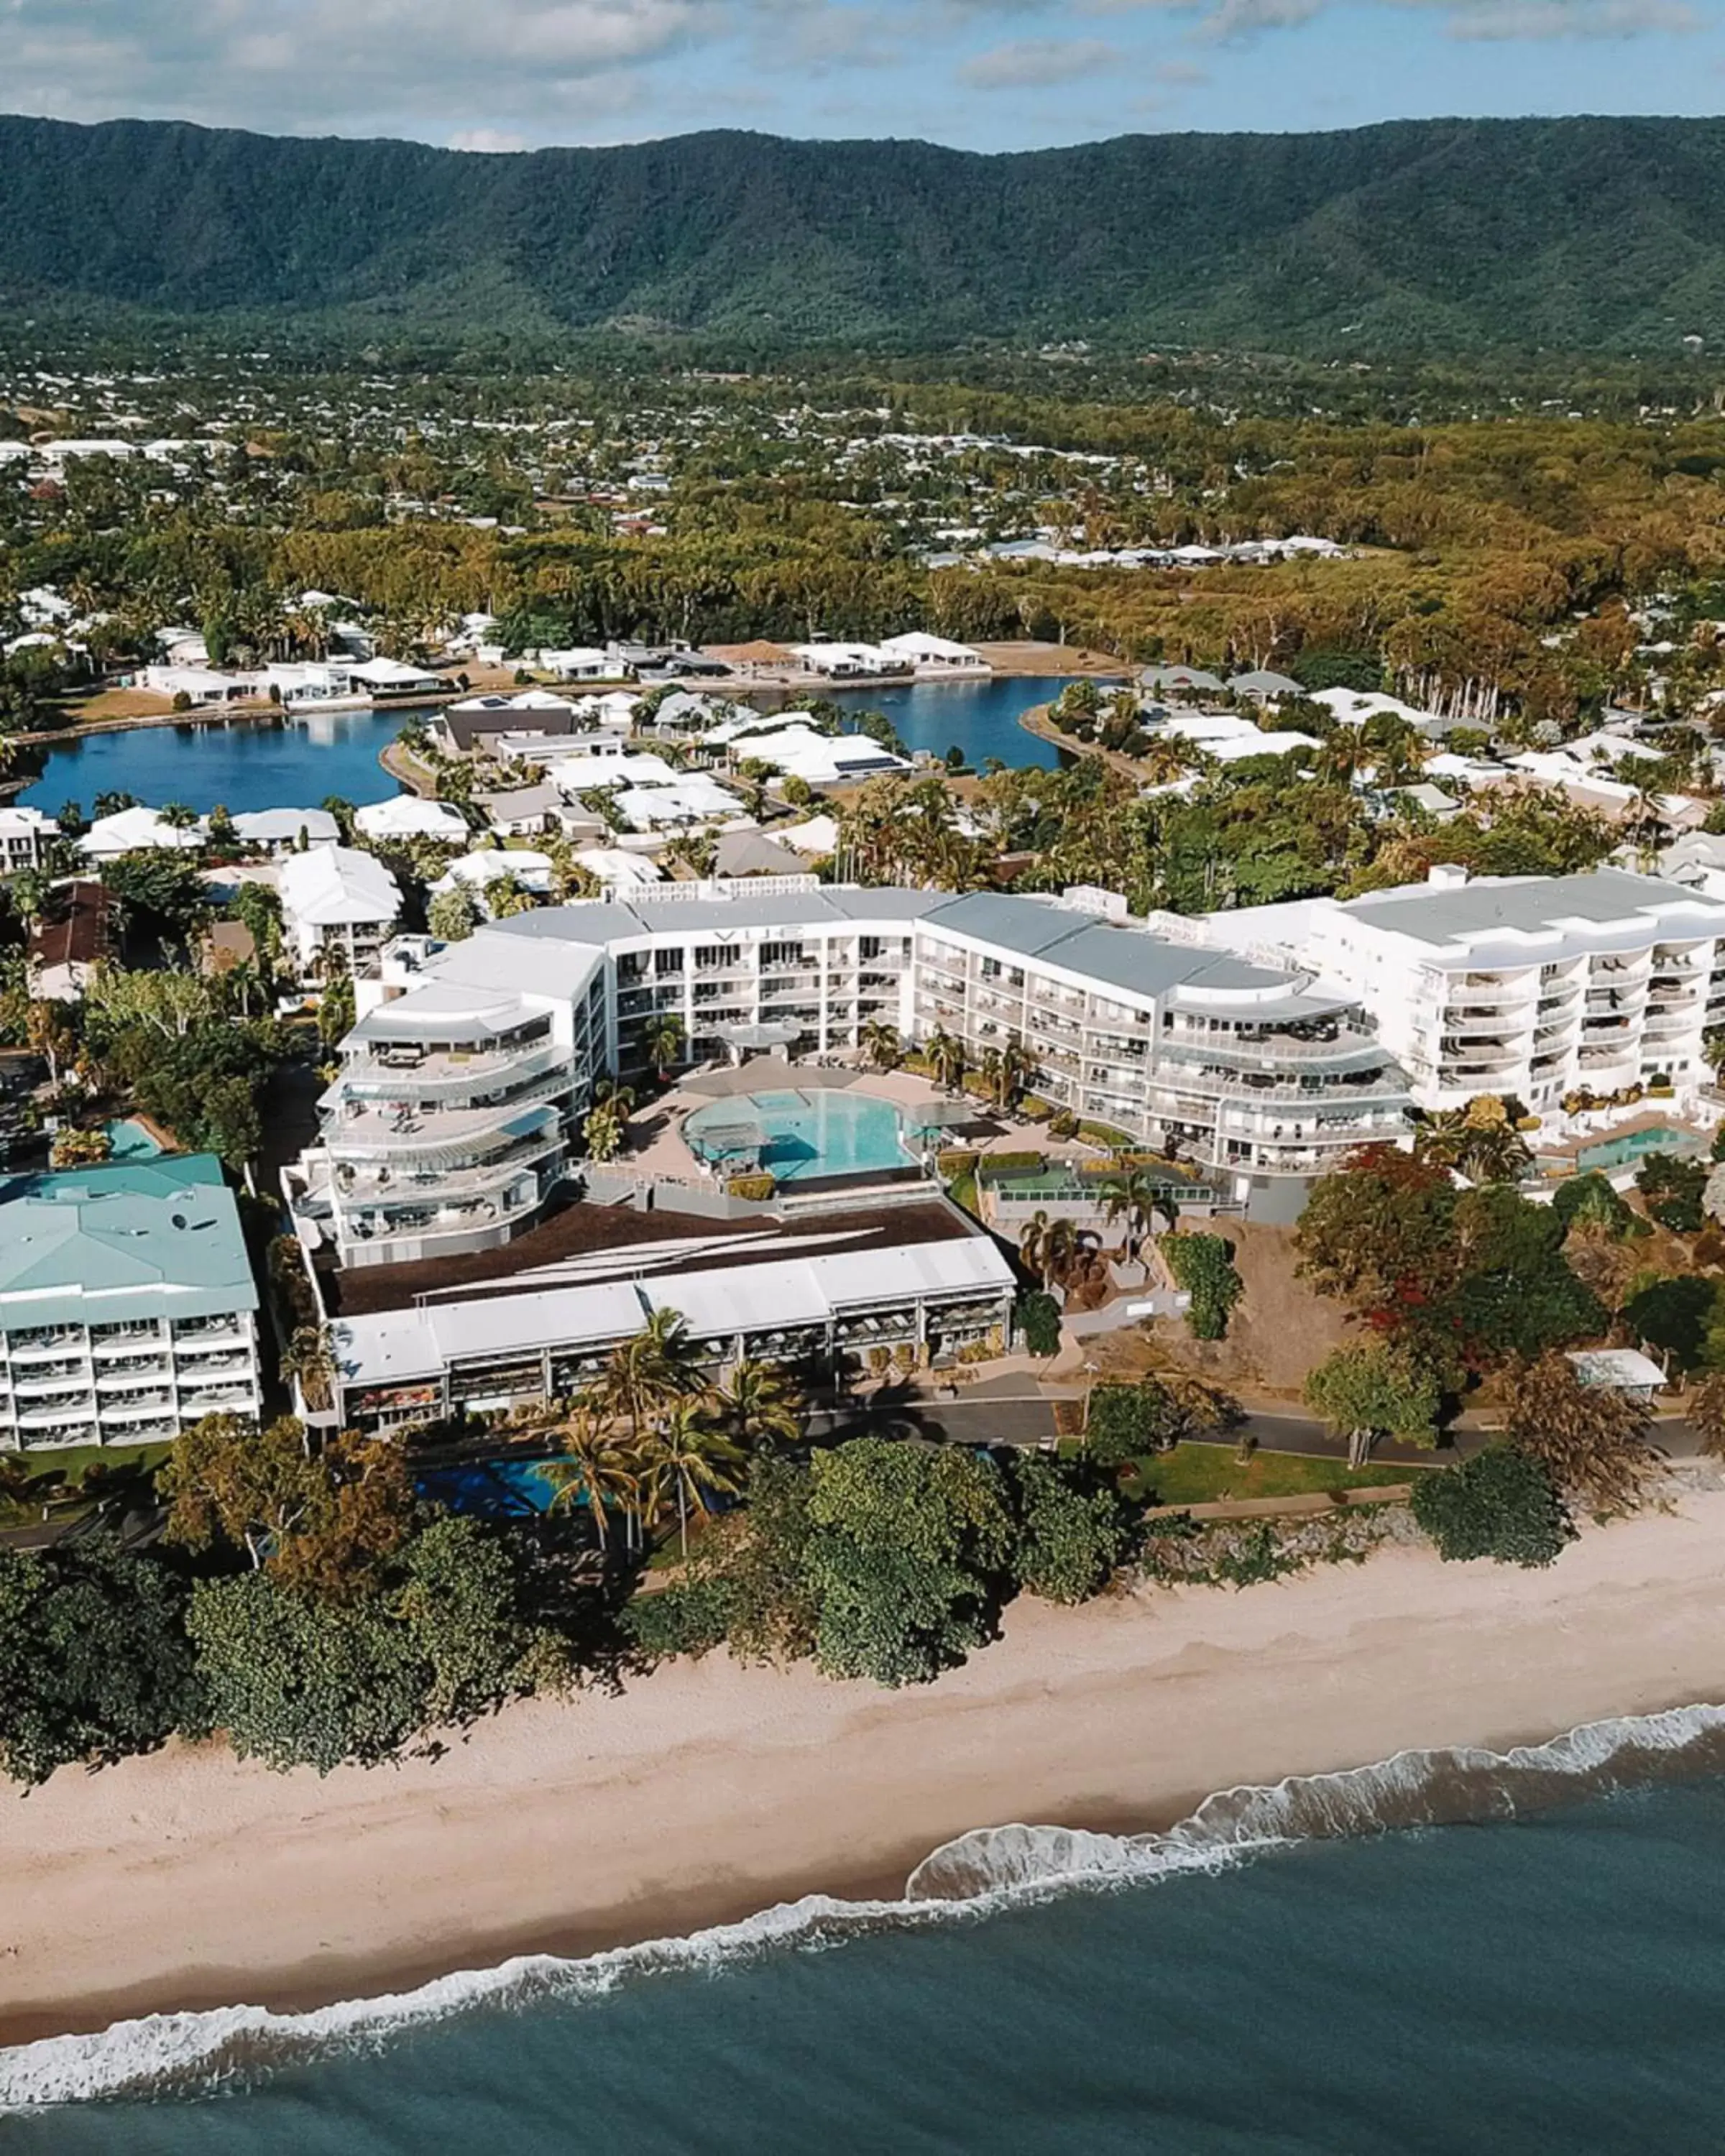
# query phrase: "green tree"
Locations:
[[663, 1041], [452, 917], [1500, 1504], [907, 1547], [1369, 1391], [1203, 1267], [95, 1662], [594, 1470], [686, 1460], [1075, 1529], [759, 1404]]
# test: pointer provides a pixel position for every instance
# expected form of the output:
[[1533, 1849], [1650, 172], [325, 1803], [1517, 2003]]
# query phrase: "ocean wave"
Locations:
[[979, 1873]]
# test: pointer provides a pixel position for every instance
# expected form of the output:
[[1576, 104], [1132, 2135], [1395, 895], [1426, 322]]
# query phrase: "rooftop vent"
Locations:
[[1446, 875]]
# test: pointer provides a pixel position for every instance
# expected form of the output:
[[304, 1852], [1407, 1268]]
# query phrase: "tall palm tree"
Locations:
[[760, 1404], [308, 1361], [881, 1044], [594, 1470], [602, 1129], [1013, 1066], [947, 1058], [663, 1041], [685, 1456], [645, 1374], [1131, 1194], [1033, 1244]]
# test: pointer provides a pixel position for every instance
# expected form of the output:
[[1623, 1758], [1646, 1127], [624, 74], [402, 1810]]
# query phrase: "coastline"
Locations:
[[707, 1792]]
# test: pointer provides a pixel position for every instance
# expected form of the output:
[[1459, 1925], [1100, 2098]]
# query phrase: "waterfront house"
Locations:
[[23, 833], [406, 816], [935, 658], [287, 830], [127, 1305], [139, 829]]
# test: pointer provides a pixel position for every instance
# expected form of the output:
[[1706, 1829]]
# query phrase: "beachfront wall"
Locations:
[[929, 1302]]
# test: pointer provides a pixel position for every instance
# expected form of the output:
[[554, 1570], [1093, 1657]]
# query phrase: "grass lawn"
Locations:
[[961, 1190], [1197, 1474], [54, 1473]]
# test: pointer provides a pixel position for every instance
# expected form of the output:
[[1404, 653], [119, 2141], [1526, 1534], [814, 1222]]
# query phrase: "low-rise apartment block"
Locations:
[[127, 1305]]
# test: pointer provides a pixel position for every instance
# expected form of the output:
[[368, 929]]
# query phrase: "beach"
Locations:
[[706, 1792]]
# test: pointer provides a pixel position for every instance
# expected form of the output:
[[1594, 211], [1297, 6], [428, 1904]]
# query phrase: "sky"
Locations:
[[485, 75]]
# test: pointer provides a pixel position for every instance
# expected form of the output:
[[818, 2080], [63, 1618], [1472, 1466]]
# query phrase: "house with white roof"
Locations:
[[337, 901], [691, 800], [580, 663], [849, 662], [24, 835], [490, 865], [935, 658], [136, 830], [803, 751], [287, 830], [406, 816]]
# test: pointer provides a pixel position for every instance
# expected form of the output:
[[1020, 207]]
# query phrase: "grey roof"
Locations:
[[1459, 913], [1027, 926], [266, 826], [1180, 677], [1261, 682], [751, 853], [137, 1240]]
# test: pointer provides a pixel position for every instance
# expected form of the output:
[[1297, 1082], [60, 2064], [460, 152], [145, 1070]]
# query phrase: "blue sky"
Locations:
[[983, 74]]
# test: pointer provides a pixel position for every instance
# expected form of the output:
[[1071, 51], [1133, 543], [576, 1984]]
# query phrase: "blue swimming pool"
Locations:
[[797, 1135], [131, 1141], [1616, 1152], [490, 1489]]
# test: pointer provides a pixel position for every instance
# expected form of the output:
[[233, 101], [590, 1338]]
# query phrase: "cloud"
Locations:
[[491, 139], [1038, 63]]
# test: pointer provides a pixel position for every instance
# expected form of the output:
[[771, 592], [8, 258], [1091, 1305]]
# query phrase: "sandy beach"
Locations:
[[708, 1792]]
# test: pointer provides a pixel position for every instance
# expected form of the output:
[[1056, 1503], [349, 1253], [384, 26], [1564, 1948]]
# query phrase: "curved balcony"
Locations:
[[454, 1136], [443, 1076]]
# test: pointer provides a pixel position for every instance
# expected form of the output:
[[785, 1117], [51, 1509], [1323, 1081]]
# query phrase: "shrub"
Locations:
[[1203, 1267], [756, 1188], [1671, 1189], [998, 1164], [1590, 1201], [691, 1618], [1038, 1318], [1501, 1504], [1126, 1421], [1063, 1124], [1074, 1531], [956, 1163]]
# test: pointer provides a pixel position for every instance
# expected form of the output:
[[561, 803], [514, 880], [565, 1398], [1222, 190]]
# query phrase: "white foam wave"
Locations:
[[979, 1872]]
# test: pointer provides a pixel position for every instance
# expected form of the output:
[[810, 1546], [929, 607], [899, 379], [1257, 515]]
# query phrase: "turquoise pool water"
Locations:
[[1613, 1152], [797, 1135], [131, 1141], [490, 1489]]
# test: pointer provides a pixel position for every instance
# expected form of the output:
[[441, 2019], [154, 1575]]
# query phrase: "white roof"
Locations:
[[486, 864], [1624, 1369], [814, 835], [917, 644], [16, 817], [332, 885], [695, 798], [611, 865], [388, 673], [129, 830], [406, 816], [398, 1345], [263, 827], [579, 774]]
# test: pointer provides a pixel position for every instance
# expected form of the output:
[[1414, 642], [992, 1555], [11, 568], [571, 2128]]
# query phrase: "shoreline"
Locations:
[[707, 1793]]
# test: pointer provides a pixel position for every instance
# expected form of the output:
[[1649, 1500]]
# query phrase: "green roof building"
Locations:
[[127, 1304]]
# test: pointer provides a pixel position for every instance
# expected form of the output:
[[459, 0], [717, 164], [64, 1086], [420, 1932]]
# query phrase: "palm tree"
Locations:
[[881, 1044], [1131, 1193], [946, 1059], [593, 1470], [1033, 1244], [760, 1404], [687, 1455], [1012, 1065], [308, 1361], [178, 816], [645, 1374], [602, 1130], [663, 1041]]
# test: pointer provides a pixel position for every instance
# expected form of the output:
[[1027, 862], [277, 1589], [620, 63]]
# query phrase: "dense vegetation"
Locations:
[[1571, 234]]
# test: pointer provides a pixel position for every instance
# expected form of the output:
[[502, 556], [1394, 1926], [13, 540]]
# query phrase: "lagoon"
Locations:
[[274, 762]]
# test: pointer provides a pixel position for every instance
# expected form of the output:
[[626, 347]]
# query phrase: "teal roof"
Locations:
[[130, 1240]]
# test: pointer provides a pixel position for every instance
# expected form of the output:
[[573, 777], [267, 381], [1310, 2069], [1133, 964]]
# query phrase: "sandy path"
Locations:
[[710, 1791]]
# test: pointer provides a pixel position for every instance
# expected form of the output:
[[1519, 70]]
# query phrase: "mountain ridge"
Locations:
[[1587, 234]]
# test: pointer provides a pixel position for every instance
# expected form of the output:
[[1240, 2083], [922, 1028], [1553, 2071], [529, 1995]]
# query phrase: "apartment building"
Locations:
[[453, 1116], [127, 1305], [1537, 986]]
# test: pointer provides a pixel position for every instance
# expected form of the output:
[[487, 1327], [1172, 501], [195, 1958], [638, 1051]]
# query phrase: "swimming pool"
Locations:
[[131, 1141], [1613, 1152], [492, 1489], [797, 1135]]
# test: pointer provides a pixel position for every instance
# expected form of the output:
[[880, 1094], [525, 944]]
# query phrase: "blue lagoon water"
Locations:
[[804, 1134], [282, 762], [1554, 1982]]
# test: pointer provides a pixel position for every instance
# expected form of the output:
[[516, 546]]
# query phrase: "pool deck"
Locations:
[[1563, 1156], [656, 1146]]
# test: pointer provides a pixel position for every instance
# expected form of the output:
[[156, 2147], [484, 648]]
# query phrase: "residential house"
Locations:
[[337, 903]]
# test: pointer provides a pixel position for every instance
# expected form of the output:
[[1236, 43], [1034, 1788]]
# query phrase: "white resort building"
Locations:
[[452, 1120], [336, 904], [126, 1304], [1537, 986]]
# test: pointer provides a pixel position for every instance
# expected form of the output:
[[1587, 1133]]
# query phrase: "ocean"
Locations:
[[1527, 1955]]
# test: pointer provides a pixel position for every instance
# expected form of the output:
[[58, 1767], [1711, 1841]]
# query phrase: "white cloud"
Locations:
[[1038, 63], [492, 140]]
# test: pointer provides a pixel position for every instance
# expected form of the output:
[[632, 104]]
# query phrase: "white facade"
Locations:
[[336, 902], [466, 1073], [138, 830], [1537, 986], [23, 833]]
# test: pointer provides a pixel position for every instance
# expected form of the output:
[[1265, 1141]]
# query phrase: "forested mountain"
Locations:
[[1600, 235]]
